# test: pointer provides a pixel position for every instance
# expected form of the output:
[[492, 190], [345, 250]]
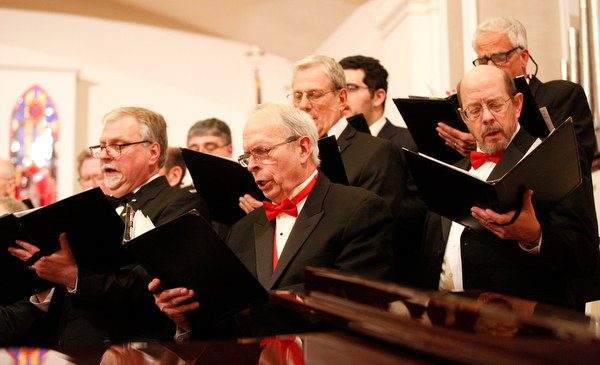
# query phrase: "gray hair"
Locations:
[[151, 125], [213, 127], [334, 71], [296, 123], [12, 205], [514, 30]]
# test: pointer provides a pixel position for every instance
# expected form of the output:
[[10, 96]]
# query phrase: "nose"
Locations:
[[486, 115], [304, 104], [104, 155], [253, 164]]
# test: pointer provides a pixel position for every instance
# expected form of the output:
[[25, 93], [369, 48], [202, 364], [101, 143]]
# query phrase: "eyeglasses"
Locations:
[[209, 147], [352, 88], [497, 58], [496, 106], [112, 150], [87, 178], [261, 154], [315, 96]]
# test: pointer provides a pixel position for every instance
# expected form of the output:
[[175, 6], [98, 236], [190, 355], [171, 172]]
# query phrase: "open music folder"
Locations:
[[187, 252], [94, 231], [551, 170]]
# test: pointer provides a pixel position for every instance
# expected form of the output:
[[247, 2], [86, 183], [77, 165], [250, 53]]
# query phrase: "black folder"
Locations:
[[359, 123], [551, 170], [422, 115], [332, 164], [187, 252], [221, 182], [94, 231]]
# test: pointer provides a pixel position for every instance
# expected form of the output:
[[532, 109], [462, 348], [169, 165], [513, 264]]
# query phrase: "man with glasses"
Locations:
[[99, 306], [90, 172], [211, 136], [533, 257], [502, 43], [319, 89], [310, 222]]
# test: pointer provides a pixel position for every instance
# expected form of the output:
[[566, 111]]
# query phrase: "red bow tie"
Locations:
[[478, 158], [288, 206]]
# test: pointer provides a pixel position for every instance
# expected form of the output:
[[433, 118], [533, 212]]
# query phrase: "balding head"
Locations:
[[8, 181]]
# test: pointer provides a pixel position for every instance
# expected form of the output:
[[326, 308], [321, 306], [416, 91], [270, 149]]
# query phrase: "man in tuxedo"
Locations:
[[319, 88], [211, 136], [327, 225], [502, 43], [533, 257], [100, 306], [366, 82]]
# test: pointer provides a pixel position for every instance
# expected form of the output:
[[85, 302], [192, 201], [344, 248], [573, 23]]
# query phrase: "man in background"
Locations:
[[8, 181], [174, 168], [211, 136], [90, 172], [502, 43]]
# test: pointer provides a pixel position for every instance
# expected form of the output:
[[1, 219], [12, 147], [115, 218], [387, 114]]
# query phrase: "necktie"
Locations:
[[289, 207], [478, 158]]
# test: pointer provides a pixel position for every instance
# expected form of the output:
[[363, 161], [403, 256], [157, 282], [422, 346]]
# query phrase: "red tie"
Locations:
[[478, 158], [287, 206]]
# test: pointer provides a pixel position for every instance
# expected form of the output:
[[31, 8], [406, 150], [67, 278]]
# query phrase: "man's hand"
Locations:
[[526, 229], [169, 301], [248, 203], [60, 267], [463, 142]]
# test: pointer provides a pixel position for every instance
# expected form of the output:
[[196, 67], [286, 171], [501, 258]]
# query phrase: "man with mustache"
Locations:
[[534, 257], [328, 225], [98, 306]]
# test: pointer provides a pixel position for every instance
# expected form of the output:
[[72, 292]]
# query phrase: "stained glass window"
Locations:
[[34, 146]]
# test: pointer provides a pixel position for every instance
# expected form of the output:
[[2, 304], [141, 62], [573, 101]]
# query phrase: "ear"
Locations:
[[229, 149], [12, 185], [174, 176], [518, 104], [342, 99], [154, 151], [305, 148], [379, 97]]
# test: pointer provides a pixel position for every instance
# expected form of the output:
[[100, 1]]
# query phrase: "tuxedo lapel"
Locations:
[[148, 192], [264, 233], [345, 139], [307, 220], [513, 154]]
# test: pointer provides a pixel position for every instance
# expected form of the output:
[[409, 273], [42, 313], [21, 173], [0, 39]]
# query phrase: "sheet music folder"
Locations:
[[187, 252], [221, 182], [551, 170], [422, 115], [94, 231]]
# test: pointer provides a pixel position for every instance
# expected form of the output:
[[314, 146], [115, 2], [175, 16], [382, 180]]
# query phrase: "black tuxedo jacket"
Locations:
[[565, 99], [374, 164], [569, 246], [113, 306], [339, 227]]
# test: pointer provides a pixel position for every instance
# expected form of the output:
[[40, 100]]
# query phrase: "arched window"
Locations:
[[34, 146]]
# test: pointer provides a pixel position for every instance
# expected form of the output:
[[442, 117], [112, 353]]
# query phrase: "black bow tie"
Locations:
[[118, 202]]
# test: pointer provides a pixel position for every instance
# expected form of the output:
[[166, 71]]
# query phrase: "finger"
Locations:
[[64, 244], [176, 295], [154, 285], [27, 246], [527, 204]]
